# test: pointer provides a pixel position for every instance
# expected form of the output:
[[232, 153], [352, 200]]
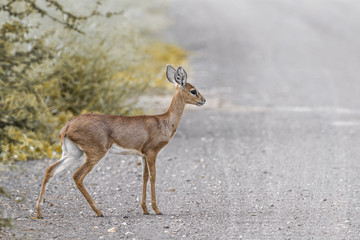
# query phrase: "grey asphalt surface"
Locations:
[[274, 153]]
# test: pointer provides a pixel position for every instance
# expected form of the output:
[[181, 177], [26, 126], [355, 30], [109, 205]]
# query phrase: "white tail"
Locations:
[[92, 135]]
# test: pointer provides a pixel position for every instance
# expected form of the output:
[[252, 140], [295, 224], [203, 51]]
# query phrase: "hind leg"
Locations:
[[48, 174], [81, 173], [71, 155], [79, 176]]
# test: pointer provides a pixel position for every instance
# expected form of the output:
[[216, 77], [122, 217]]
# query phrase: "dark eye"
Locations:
[[193, 92]]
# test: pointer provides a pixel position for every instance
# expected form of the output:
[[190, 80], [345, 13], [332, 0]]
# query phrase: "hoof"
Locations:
[[100, 215], [159, 213], [40, 217], [146, 213]]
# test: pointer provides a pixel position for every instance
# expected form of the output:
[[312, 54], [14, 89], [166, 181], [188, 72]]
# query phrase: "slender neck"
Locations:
[[176, 109]]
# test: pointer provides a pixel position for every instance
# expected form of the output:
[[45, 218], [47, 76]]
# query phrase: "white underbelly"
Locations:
[[116, 149]]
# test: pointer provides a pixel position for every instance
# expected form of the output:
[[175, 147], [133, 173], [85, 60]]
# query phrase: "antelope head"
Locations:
[[187, 91]]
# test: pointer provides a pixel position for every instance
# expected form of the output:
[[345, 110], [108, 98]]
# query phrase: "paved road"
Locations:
[[283, 144], [274, 153]]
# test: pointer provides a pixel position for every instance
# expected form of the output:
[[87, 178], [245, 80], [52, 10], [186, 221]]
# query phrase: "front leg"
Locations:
[[151, 159], [145, 180]]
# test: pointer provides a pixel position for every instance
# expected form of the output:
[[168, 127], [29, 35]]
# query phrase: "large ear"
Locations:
[[181, 76], [170, 74]]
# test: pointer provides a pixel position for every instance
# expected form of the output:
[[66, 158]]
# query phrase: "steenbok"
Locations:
[[93, 135]]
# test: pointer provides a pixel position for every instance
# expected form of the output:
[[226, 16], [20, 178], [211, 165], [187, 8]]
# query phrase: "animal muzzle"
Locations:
[[202, 102]]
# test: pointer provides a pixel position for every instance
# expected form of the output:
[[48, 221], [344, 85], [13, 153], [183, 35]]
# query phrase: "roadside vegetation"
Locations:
[[59, 60]]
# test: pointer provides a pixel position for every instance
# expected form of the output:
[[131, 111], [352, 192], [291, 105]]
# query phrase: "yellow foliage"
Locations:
[[63, 96], [152, 70], [161, 54]]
